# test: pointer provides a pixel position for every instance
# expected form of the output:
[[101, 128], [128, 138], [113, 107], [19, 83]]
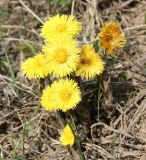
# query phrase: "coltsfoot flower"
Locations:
[[35, 67], [60, 26], [67, 136], [62, 56], [90, 64], [111, 38], [64, 94], [48, 99]]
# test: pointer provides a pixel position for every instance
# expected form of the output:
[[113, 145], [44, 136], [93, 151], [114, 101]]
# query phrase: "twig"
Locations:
[[30, 11], [126, 4], [72, 7], [29, 121], [101, 150], [21, 40], [111, 129], [20, 27], [134, 27]]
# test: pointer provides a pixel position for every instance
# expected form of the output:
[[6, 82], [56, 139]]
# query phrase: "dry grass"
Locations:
[[27, 131]]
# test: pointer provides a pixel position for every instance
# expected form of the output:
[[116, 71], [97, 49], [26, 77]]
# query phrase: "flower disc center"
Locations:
[[108, 37], [65, 95], [61, 28], [86, 61], [61, 55], [39, 63]]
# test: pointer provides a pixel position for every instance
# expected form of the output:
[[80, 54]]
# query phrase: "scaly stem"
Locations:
[[76, 137], [61, 118], [98, 95]]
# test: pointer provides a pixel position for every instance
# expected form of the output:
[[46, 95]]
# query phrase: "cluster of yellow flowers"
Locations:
[[61, 57]]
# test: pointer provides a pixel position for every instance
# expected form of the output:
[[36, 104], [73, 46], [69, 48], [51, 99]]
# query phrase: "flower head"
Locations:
[[63, 94], [90, 64], [67, 94], [48, 99], [67, 136], [60, 25], [35, 67], [62, 56], [111, 37]]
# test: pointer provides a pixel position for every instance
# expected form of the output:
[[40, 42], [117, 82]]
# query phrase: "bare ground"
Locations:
[[27, 131]]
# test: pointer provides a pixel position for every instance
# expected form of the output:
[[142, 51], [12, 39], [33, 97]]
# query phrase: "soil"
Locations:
[[117, 129]]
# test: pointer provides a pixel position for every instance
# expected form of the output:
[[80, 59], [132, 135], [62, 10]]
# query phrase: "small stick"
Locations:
[[30, 11], [126, 4], [72, 7], [135, 27]]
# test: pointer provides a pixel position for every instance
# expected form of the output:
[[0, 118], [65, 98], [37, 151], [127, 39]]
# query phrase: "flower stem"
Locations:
[[98, 95], [61, 118], [71, 124]]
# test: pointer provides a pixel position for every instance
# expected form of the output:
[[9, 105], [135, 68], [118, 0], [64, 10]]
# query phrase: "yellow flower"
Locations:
[[35, 67], [67, 94], [63, 94], [62, 56], [90, 64], [48, 99], [67, 136], [60, 25], [111, 38]]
